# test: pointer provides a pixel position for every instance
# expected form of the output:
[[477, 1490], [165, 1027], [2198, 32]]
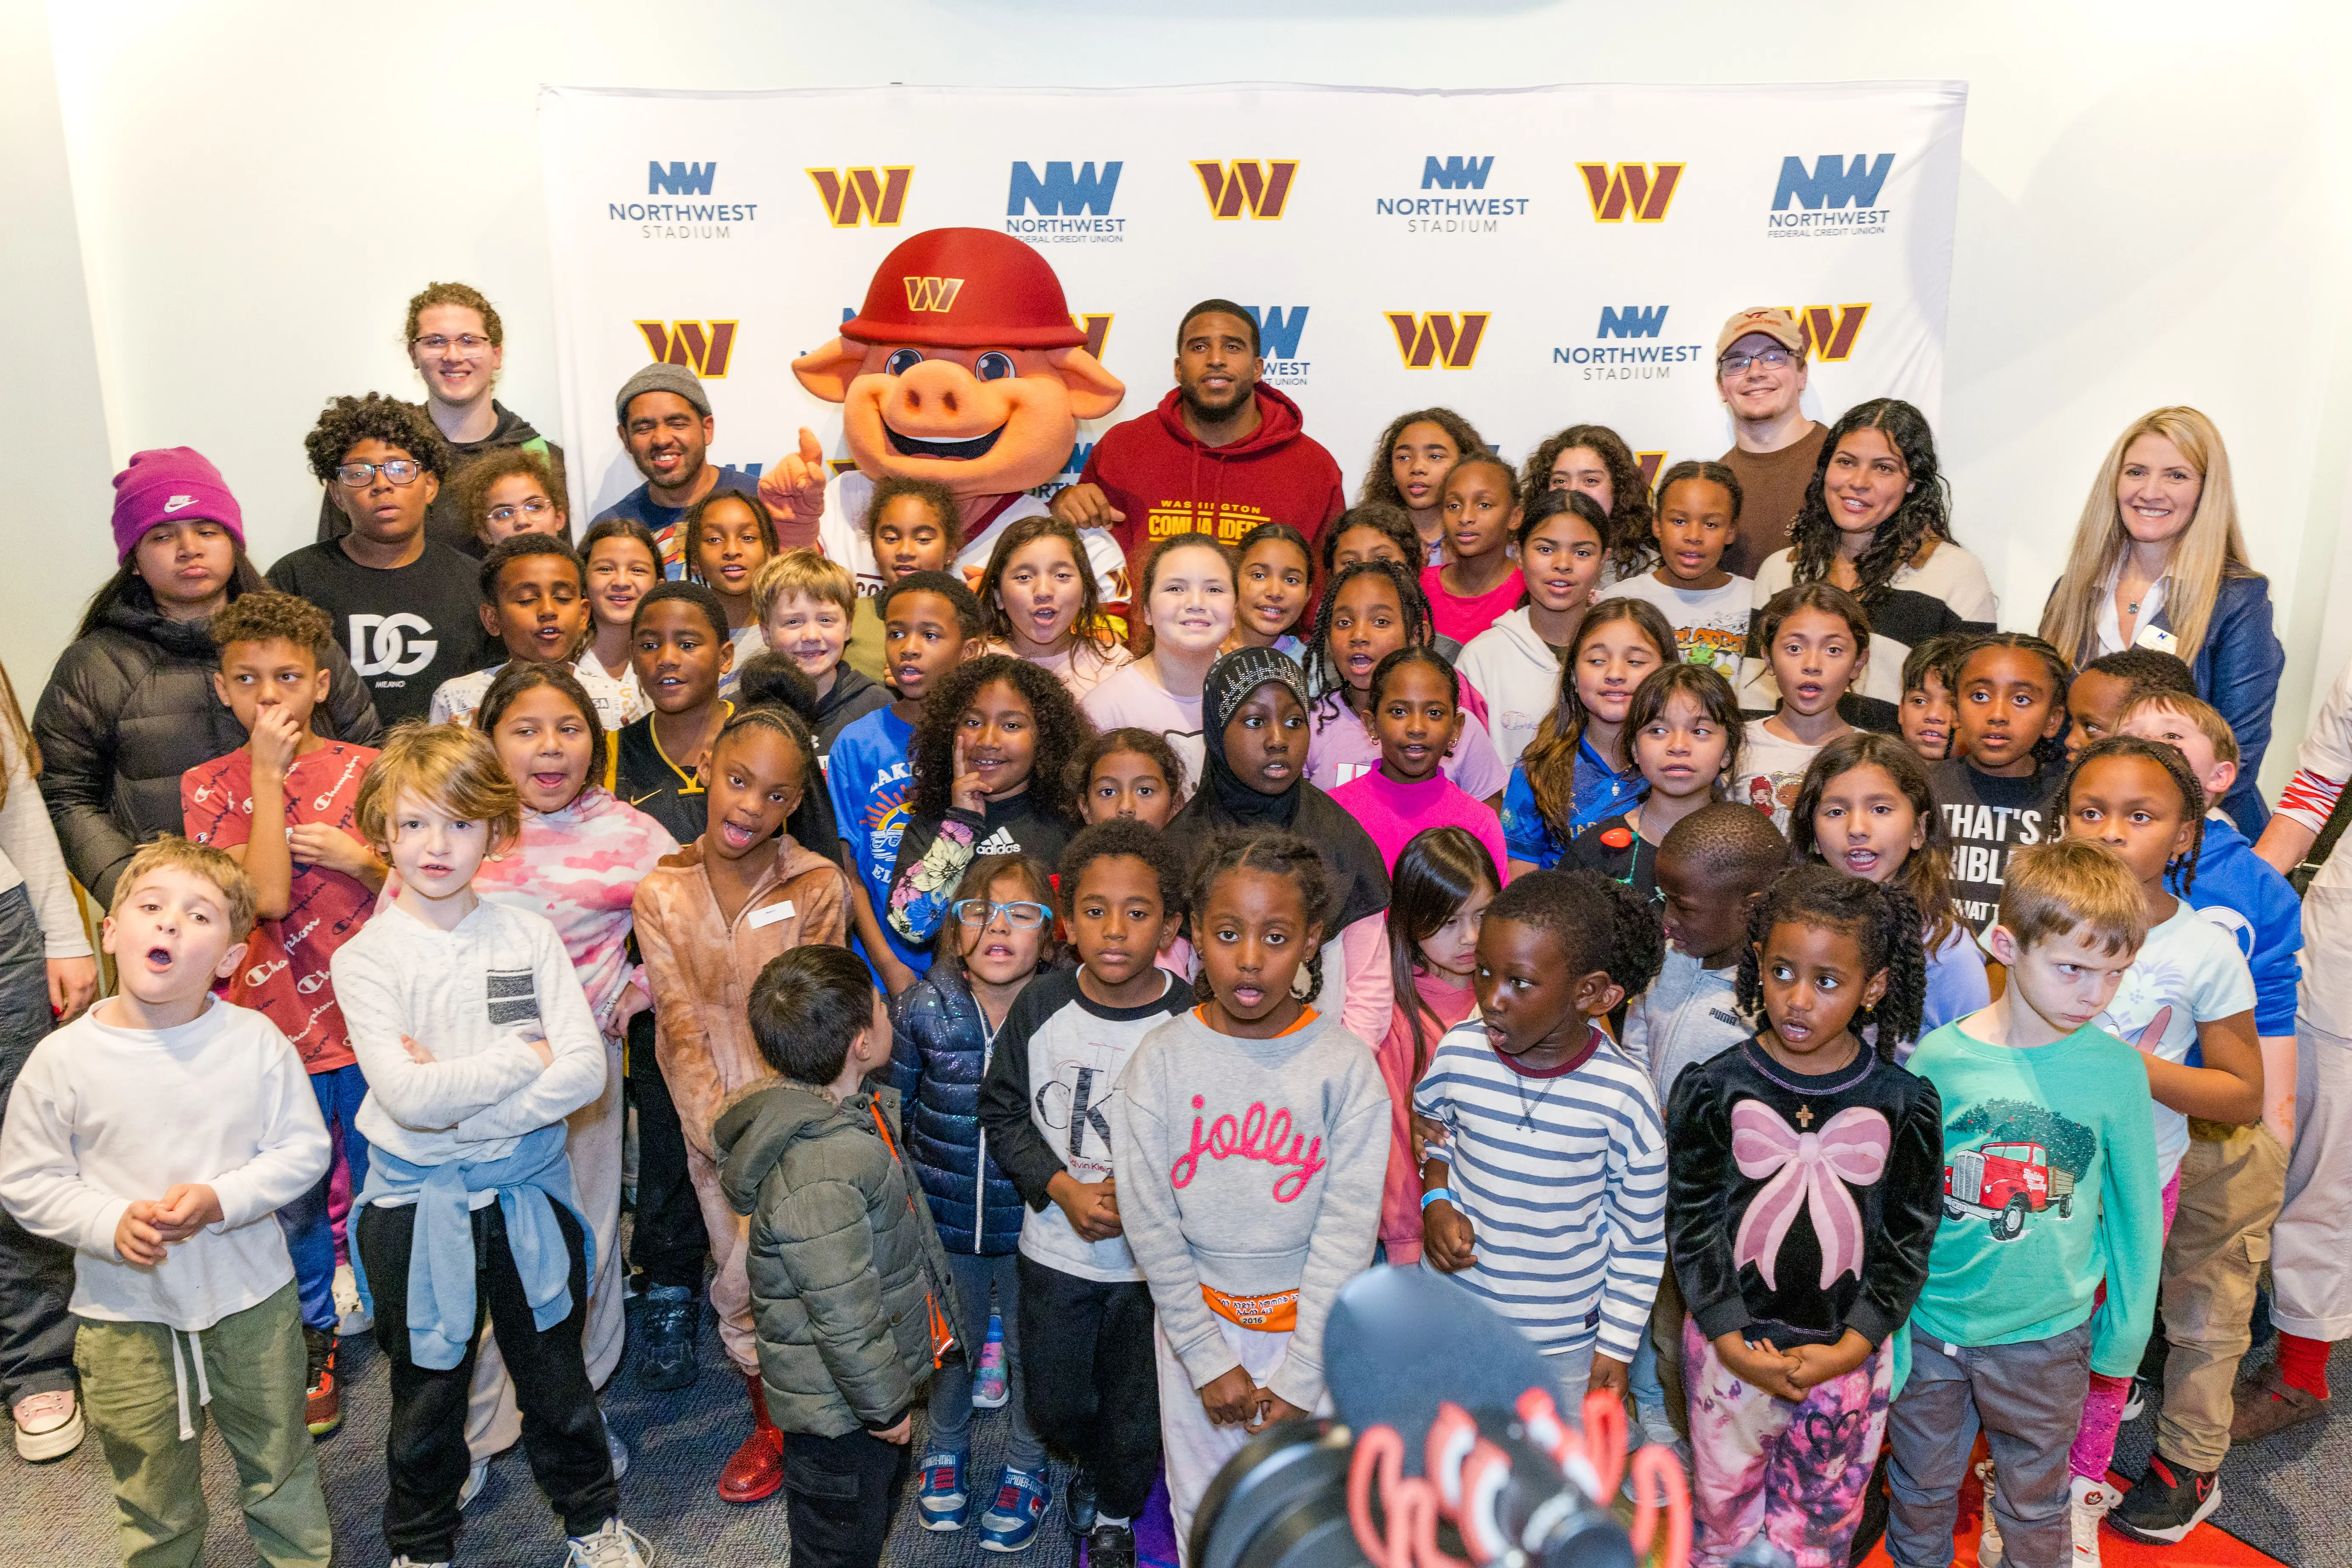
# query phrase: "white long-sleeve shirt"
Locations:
[[29, 856], [473, 997], [101, 1117]]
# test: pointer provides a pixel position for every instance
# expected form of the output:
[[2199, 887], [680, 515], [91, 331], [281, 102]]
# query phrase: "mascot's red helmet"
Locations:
[[965, 289]]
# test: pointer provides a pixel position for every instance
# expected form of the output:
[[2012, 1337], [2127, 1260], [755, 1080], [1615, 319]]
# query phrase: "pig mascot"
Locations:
[[964, 367]]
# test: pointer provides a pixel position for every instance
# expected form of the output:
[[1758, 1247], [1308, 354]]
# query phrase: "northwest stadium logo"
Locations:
[[1630, 344], [1068, 204], [683, 217], [1836, 197], [1469, 208], [1278, 334]]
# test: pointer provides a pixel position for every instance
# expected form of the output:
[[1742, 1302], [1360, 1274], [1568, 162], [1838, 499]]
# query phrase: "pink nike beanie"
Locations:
[[170, 484]]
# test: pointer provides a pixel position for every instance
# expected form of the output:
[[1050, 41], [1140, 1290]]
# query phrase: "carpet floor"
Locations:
[[2285, 1498]]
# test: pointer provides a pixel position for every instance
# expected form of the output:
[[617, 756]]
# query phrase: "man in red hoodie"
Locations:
[[1220, 455]]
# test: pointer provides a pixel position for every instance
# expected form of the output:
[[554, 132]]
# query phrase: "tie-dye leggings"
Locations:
[[1795, 1473]]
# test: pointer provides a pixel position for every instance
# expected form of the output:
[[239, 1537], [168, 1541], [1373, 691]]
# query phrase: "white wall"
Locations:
[[2155, 210]]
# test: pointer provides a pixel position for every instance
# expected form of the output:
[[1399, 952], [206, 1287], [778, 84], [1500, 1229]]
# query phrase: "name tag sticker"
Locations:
[[771, 915], [2159, 640]]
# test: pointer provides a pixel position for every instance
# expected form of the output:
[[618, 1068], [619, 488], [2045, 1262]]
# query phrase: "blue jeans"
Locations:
[[951, 1389], [309, 1235], [1648, 1393], [37, 1331]]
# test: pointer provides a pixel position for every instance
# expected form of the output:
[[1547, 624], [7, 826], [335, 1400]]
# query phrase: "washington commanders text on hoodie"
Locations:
[[1168, 482]]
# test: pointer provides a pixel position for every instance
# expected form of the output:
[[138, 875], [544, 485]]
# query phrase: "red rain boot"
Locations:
[[758, 1468]]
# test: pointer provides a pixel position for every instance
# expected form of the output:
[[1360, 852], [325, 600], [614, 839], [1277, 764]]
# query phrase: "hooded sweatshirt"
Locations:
[[1689, 1014], [1168, 482], [1520, 675], [442, 524]]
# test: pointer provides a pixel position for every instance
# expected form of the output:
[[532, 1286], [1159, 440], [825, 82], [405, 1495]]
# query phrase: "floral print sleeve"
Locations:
[[926, 883]]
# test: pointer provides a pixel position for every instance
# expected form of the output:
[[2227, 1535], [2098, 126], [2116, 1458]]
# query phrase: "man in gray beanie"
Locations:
[[666, 425]]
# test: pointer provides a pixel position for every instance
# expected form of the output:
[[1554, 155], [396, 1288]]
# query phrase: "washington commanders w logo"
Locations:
[[877, 196], [1830, 329], [701, 347], [933, 293], [1440, 338], [1640, 191], [1246, 183], [1097, 332], [1650, 463]]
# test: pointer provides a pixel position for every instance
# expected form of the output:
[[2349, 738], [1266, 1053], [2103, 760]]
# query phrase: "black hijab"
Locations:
[[1360, 878]]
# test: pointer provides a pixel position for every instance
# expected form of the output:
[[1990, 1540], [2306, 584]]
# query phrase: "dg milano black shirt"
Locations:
[[406, 629]]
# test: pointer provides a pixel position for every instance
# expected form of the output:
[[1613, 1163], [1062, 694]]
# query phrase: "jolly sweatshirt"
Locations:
[[1168, 482], [1251, 1167]]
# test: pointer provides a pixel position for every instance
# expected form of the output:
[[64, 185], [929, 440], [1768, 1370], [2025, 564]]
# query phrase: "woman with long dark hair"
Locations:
[[1877, 522]]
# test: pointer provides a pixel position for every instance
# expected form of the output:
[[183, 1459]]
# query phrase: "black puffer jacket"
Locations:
[[845, 1268], [128, 710]]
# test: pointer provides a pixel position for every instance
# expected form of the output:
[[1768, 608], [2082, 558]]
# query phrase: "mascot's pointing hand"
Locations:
[[793, 489]]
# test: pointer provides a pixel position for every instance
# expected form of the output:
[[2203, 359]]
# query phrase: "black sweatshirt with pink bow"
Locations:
[[1799, 1206]]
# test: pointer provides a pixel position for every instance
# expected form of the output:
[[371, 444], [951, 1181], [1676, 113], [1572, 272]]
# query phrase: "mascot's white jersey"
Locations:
[[842, 536]]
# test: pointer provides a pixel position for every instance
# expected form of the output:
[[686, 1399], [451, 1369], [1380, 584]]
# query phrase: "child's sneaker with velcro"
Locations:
[[941, 1502]]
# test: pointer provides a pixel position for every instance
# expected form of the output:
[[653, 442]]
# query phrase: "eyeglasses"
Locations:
[[533, 509], [357, 476], [470, 344], [1021, 914], [1770, 358]]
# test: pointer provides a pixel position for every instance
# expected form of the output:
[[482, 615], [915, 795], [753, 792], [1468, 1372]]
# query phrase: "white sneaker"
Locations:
[[614, 1546], [1988, 1539], [475, 1480], [2087, 1502], [1653, 1425], [48, 1425], [404, 1561], [350, 1316]]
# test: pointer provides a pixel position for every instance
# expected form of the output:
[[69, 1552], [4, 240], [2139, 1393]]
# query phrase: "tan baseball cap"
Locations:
[[1774, 322]]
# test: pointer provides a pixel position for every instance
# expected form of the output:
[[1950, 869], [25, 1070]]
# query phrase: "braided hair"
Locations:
[[1597, 921], [2168, 757], [1279, 854], [1329, 686], [1883, 919], [2050, 751]]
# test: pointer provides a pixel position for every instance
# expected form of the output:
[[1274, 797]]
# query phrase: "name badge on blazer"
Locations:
[[769, 915], [2159, 640]]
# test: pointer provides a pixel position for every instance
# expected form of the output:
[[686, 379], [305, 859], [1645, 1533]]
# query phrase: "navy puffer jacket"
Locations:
[[938, 1054]]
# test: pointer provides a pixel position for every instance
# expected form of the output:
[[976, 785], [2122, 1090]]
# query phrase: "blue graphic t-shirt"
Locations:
[[872, 786]]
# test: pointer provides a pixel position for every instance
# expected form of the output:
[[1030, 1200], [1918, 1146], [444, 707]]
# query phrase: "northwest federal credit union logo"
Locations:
[[1443, 339], [1258, 188], [1830, 331], [1069, 204], [1836, 198], [853, 196], [1279, 330], [682, 218], [703, 347], [1641, 192], [1471, 210], [1629, 344]]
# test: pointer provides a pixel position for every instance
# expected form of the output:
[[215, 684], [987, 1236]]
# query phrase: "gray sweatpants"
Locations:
[[2028, 1399]]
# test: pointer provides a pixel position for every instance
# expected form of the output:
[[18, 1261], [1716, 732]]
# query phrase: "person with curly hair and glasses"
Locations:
[[453, 336], [1877, 522], [405, 606]]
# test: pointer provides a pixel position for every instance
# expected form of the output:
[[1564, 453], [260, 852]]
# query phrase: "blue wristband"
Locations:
[[1434, 1194]]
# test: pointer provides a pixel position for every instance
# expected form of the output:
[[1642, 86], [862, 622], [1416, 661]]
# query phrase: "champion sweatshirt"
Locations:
[[1168, 482], [1251, 1167]]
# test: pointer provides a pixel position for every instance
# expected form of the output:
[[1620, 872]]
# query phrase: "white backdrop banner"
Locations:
[[1532, 259]]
